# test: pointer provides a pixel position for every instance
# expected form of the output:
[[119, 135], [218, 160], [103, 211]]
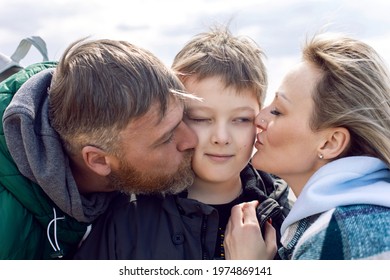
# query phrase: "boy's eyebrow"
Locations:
[[198, 107], [206, 108], [242, 108]]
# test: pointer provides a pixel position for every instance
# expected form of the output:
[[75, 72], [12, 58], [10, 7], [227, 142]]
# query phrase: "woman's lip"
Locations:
[[259, 139]]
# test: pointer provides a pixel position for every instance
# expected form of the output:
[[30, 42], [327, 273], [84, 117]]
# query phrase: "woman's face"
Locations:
[[286, 145]]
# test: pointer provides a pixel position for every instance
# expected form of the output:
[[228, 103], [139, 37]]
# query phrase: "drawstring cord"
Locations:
[[57, 250], [87, 232]]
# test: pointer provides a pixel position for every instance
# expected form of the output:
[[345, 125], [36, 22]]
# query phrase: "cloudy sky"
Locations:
[[163, 26]]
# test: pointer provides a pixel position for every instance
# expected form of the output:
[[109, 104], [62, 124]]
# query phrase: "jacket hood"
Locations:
[[346, 181], [37, 150]]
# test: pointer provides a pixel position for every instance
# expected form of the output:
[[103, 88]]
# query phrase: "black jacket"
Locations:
[[175, 227]]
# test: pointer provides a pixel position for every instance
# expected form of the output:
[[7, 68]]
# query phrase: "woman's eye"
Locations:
[[275, 112]]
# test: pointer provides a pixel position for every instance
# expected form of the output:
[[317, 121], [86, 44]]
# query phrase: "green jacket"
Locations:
[[26, 213]]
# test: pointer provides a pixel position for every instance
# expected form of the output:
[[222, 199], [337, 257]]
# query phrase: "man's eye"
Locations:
[[169, 140]]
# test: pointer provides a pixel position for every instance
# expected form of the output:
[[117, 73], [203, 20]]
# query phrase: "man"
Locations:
[[108, 118]]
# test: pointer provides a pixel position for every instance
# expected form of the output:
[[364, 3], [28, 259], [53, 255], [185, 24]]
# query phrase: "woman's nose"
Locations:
[[260, 121]]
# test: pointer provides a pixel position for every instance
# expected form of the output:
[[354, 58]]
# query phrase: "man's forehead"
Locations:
[[154, 118]]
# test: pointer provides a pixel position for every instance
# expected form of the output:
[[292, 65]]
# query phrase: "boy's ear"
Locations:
[[97, 160], [337, 140]]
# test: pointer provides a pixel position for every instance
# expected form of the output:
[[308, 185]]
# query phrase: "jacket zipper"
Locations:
[[205, 255]]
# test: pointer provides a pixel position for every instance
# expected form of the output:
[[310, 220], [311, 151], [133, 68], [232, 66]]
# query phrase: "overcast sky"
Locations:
[[164, 26]]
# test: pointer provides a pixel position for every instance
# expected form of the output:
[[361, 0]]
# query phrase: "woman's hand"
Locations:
[[243, 239]]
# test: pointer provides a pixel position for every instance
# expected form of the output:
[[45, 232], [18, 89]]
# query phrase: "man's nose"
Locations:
[[187, 139]]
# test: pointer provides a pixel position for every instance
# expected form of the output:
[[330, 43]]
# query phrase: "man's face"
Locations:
[[156, 154]]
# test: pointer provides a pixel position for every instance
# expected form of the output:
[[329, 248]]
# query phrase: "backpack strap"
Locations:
[[25, 45]]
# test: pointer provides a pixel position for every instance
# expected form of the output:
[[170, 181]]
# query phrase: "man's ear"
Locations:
[[97, 160], [337, 140]]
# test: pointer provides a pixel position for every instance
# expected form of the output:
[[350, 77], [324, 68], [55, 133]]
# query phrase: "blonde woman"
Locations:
[[327, 134]]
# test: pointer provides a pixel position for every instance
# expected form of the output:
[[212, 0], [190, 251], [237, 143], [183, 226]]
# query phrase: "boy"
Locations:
[[228, 73]]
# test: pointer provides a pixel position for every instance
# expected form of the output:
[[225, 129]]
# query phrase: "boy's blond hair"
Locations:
[[217, 53]]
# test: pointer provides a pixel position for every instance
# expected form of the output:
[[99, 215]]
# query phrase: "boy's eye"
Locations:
[[243, 120], [198, 120]]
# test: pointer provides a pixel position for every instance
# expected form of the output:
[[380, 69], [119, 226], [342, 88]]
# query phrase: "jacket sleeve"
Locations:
[[20, 233]]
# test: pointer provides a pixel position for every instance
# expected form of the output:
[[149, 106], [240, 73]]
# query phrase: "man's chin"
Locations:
[[172, 185], [130, 180], [139, 184], [181, 184]]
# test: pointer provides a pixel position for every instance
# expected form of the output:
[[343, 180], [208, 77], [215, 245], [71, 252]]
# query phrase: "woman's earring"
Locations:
[[321, 156]]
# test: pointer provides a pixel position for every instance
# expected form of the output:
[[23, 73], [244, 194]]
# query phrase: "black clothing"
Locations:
[[174, 226]]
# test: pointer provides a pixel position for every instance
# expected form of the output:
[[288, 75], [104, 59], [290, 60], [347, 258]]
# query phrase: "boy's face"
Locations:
[[224, 124]]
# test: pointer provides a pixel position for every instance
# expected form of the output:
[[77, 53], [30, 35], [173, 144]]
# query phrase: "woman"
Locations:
[[327, 134]]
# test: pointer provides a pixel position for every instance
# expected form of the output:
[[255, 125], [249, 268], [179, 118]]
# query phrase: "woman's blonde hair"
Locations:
[[353, 92]]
